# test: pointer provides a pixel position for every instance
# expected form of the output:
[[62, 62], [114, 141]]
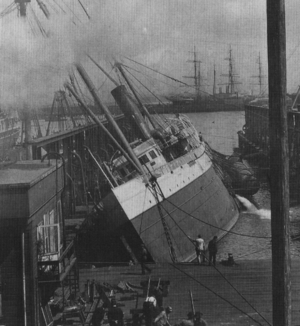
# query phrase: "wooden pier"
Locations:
[[254, 142], [213, 290]]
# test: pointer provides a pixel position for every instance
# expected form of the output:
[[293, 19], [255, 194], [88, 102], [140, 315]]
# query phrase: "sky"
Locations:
[[161, 34]]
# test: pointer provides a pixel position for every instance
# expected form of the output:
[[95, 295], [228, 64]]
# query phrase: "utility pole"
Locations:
[[279, 164]]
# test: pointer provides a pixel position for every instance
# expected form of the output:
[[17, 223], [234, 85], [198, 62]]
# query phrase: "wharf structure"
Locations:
[[254, 141], [40, 200]]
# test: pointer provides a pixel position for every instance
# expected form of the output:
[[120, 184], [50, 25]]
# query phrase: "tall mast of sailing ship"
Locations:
[[231, 75], [197, 73], [214, 86], [260, 76], [279, 164]]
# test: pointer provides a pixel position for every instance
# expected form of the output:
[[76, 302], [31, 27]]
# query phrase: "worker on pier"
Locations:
[[150, 310], [200, 248], [158, 294], [163, 318], [198, 321], [212, 250], [115, 315], [189, 321], [194, 320]]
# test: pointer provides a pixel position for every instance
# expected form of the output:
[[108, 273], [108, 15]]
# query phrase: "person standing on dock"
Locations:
[[200, 248], [144, 259], [212, 250], [163, 318], [115, 315]]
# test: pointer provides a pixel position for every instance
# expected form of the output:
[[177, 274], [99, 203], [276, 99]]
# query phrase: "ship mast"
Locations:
[[197, 73], [260, 76], [231, 75], [214, 86]]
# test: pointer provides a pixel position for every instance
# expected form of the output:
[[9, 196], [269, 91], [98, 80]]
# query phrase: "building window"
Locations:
[[48, 236], [144, 159], [153, 154]]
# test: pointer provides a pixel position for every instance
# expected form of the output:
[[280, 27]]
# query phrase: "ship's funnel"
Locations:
[[131, 111]]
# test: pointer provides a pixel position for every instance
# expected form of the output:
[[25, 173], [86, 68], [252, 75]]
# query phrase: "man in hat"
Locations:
[[163, 318], [144, 259]]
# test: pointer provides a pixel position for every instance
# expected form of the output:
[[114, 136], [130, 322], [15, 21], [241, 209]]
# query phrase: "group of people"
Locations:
[[200, 249], [156, 315]]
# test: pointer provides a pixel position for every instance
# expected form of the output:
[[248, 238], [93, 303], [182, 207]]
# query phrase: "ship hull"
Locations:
[[194, 201]]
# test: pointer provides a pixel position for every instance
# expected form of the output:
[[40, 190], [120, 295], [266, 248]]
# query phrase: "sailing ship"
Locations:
[[199, 100], [9, 133], [161, 184]]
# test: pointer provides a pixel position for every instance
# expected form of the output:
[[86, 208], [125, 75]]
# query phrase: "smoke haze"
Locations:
[[160, 34]]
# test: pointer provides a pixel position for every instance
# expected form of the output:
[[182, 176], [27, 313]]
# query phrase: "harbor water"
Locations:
[[250, 238]]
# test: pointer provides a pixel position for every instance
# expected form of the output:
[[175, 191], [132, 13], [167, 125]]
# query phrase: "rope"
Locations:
[[219, 296], [140, 231], [217, 227], [165, 226]]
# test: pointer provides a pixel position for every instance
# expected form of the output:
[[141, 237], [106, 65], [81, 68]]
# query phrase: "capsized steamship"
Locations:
[[162, 185]]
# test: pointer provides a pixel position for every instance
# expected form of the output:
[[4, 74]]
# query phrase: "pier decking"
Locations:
[[219, 302]]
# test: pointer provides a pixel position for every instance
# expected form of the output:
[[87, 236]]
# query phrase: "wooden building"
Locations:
[[33, 258]]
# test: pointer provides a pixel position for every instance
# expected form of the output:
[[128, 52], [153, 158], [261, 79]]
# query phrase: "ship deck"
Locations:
[[213, 290]]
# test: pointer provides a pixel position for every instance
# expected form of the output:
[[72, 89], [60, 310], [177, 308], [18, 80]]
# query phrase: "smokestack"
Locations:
[[131, 111]]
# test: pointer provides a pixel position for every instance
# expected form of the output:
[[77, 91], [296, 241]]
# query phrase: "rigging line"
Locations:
[[60, 6], [163, 221], [178, 81], [215, 293], [89, 17], [159, 120], [254, 252], [151, 78], [9, 9], [72, 11], [174, 79], [176, 223], [217, 227], [241, 295], [106, 78], [155, 117], [160, 81], [140, 230], [31, 26], [52, 6], [160, 203], [146, 87], [42, 30]]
